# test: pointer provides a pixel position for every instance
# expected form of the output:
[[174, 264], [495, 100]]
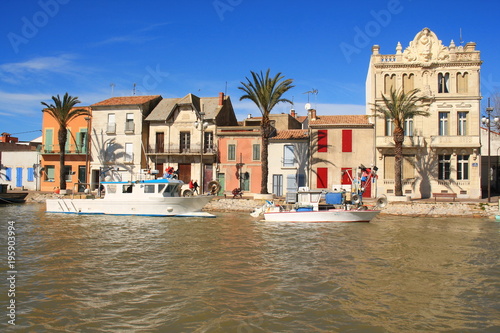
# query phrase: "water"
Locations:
[[233, 274]]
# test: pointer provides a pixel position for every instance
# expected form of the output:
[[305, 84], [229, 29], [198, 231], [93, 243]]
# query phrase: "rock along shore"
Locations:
[[410, 208]]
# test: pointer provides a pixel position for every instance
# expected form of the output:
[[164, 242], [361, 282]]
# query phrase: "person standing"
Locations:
[[195, 187]]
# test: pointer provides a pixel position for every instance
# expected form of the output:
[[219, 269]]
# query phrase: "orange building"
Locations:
[[239, 159], [77, 152]]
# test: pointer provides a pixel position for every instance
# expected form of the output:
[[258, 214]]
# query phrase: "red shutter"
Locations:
[[322, 180], [346, 176], [322, 141], [347, 141]]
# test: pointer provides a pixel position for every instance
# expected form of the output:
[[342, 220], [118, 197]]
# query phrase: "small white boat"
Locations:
[[327, 215], [158, 197]]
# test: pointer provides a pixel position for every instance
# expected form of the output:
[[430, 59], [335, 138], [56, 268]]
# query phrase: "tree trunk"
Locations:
[[398, 159], [62, 137], [264, 162]]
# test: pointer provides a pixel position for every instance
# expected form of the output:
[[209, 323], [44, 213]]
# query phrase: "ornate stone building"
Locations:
[[441, 151]]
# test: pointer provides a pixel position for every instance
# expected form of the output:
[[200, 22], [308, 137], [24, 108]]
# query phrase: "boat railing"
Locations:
[[77, 186]]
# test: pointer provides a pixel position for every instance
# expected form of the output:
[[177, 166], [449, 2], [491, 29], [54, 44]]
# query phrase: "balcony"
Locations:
[[129, 127], [69, 149], [111, 128], [455, 141], [181, 150], [409, 142]]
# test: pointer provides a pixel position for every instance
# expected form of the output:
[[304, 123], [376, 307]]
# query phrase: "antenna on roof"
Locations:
[[225, 91], [133, 90], [112, 85], [461, 40]]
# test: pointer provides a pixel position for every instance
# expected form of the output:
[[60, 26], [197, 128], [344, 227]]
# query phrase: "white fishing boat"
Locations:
[[338, 207], [158, 197]]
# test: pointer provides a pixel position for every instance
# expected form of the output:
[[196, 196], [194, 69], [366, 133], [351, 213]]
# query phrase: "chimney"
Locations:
[[293, 113], [221, 98], [312, 114]]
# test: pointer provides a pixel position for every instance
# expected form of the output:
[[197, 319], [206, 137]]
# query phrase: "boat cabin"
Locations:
[[157, 187]]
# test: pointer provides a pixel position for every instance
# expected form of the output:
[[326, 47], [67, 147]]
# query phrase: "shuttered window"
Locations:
[[322, 141], [347, 141], [322, 178]]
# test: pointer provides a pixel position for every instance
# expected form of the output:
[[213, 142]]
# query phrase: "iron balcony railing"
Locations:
[[69, 149], [181, 149]]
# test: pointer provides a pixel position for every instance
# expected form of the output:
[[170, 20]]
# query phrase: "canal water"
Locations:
[[235, 274]]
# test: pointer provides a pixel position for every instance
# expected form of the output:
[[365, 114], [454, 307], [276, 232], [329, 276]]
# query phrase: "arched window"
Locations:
[[443, 83], [462, 83], [408, 84], [389, 82]]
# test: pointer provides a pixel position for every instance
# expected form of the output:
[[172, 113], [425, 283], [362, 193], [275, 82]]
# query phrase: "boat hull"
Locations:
[[169, 206], [332, 215]]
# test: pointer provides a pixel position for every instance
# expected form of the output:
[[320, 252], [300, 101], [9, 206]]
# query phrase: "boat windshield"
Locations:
[[171, 190]]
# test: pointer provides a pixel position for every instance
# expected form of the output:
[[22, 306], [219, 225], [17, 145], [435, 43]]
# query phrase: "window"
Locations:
[[444, 167], [185, 141], [231, 152], [81, 141], [50, 172], [129, 123], [129, 153], [209, 142], [31, 174], [408, 82], [322, 141], [347, 141], [149, 188], [462, 123], [68, 173], [278, 185], [322, 178], [443, 123], [245, 182], [49, 143], [111, 126], [110, 152], [288, 156], [408, 126], [443, 83], [389, 83], [256, 152], [389, 126], [462, 83], [408, 169], [8, 174], [291, 183], [463, 167]]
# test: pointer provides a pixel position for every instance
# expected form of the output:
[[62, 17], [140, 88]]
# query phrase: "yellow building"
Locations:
[[441, 151]]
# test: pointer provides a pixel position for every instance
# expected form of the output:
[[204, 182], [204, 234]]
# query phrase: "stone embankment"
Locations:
[[411, 208]]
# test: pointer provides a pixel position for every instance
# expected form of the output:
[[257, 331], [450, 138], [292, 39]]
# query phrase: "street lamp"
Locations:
[[87, 150], [203, 125], [487, 121]]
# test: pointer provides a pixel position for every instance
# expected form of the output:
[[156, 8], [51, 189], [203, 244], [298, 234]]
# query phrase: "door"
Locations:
[[160, 142], [19, 177], [278, 185], [208, 175], [82, 177], [185, 172], [221, 178]]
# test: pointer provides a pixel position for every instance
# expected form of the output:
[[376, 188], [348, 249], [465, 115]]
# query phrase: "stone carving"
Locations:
[[426, 47]]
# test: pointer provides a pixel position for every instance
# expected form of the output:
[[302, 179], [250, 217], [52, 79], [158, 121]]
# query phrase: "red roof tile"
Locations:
[[291, 134], [127, 100], [341, 120]]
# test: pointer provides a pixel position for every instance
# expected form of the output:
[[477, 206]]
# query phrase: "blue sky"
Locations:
[[99, 49]]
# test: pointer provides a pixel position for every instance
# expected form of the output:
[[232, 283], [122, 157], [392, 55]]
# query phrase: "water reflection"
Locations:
[[109, 273]]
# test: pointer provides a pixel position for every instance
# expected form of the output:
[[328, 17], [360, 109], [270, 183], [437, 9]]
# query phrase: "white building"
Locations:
[[20, 170]]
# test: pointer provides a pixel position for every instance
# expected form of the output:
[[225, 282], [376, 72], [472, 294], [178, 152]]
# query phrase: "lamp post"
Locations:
[[203, 125], [87, 150], [487, 121]]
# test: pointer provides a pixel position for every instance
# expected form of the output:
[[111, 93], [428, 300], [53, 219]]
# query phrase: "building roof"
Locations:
[[209, 105], [340, 120], [291, 134], [126, 100]]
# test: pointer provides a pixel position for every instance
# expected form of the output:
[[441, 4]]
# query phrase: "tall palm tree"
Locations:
[[400, 106], [266, 92], [63, 112]]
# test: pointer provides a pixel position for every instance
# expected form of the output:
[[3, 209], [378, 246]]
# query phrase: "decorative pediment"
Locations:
[[426, 47]]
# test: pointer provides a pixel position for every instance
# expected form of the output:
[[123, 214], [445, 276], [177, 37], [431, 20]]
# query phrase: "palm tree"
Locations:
[[266, 92], [400, 106], [63, 112]]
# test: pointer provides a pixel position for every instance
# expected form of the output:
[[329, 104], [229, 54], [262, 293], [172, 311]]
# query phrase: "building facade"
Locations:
[[119, 137], [77, 154], [339, 146], [183, 135], [441, 152]]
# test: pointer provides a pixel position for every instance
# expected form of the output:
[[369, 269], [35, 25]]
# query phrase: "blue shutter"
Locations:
[[31, 174], [8, 174]]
